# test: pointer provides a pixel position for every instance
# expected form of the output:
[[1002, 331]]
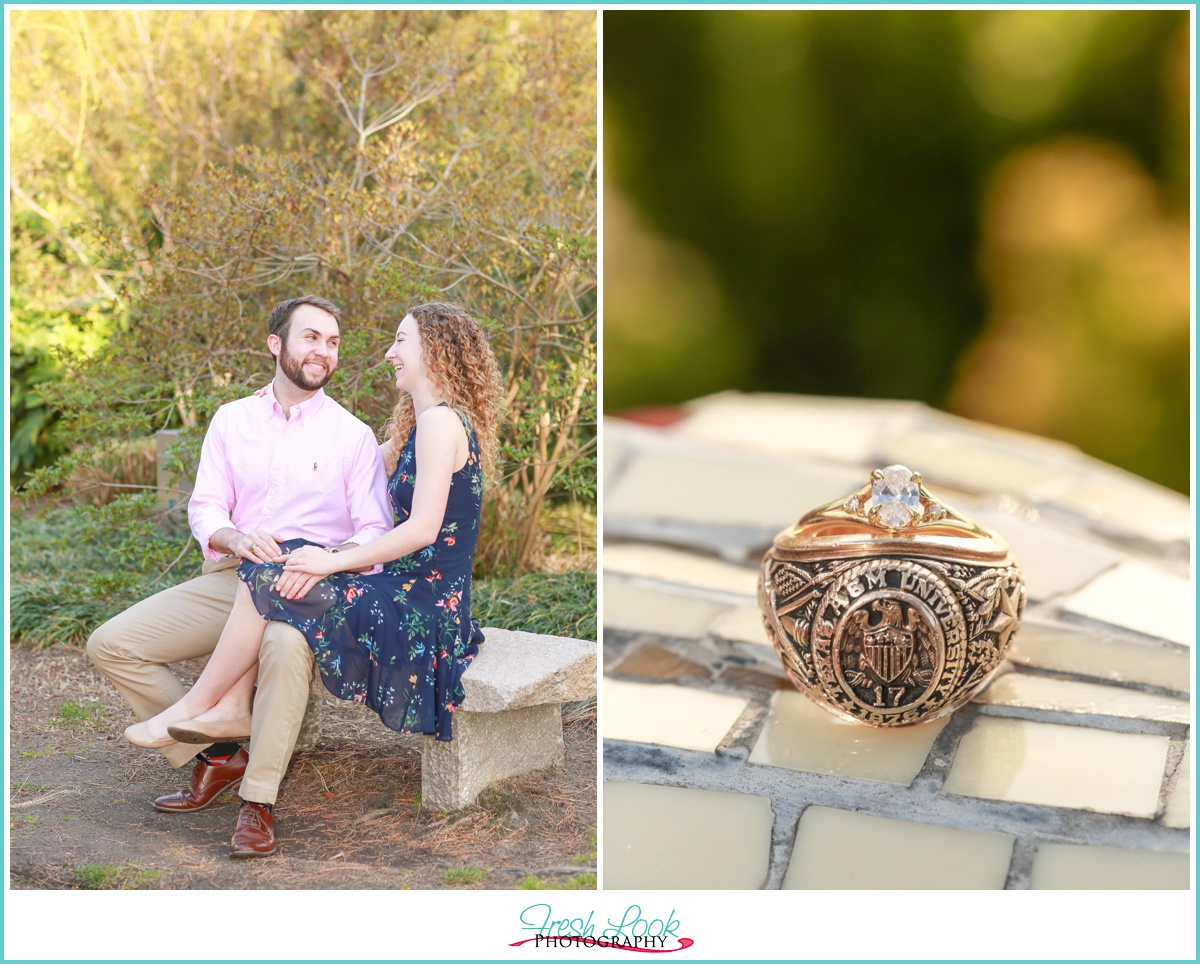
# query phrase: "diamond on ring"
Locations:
[[895, 498]]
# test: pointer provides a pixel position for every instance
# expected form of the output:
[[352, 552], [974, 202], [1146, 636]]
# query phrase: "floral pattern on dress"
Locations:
[[400, 640]]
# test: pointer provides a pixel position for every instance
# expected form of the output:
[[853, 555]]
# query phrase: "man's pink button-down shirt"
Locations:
[[317, 475]]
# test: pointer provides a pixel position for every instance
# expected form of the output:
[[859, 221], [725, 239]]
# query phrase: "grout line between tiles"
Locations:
[[1131, 685], [1020, 867], [1176, 753], [940, 758], [783, 839], [693, 769], [1092, 721]]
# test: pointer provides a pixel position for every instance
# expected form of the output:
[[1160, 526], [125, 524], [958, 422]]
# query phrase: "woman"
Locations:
[[398, 640]]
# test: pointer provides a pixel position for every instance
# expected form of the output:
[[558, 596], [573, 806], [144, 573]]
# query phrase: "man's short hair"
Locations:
[[280, 319]]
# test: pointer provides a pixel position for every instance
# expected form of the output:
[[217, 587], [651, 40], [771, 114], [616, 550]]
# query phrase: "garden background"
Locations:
[[174, 174]]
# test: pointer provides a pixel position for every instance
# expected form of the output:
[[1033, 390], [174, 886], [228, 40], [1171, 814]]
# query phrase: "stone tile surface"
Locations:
[[667, 714], [1060, 766], [1122, 596], [1075, 867], [741, 676], [800, 735], [1179, 801], [637, 608], [1123, 501], [972, 461], [723, 489], [743, 624], [658, 662], [1053, 561], [680, 568], [840, 850], [614, 458], [1067, 649], [670, 838], [830, 428], [1068, 696]]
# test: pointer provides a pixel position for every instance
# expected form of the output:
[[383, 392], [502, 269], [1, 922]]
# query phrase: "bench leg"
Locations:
[[489, 747]]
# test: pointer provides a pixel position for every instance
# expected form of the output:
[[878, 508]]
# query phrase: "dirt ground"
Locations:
[[348, 814]]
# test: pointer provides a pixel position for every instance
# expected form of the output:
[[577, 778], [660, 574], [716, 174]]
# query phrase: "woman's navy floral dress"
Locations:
[[399, 640]]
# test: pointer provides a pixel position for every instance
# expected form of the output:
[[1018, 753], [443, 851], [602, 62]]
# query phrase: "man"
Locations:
[[287, 462]]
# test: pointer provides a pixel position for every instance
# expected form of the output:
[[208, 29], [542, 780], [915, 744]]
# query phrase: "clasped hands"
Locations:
[[303, 567]]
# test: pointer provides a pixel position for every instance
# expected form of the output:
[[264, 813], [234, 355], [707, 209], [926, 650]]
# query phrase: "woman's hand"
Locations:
[[295, 584], [312, 560]]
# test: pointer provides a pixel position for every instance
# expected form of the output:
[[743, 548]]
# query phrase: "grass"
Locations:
[[560, 604], [590, 856], [114, 876], [462, 876], [582, 881], [580, 713], [74, 713], [29, 754]]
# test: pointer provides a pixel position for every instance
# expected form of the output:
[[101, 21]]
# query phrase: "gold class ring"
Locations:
[[887, 606]]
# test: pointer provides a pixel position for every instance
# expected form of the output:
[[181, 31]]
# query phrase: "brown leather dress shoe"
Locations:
[[255, 833], [208, 783]]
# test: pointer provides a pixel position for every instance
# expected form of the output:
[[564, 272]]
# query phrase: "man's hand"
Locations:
[[295, 585], [257, 546]]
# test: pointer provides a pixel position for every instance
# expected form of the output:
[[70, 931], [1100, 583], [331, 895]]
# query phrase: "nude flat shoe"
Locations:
[[211, 731], [139, 735]]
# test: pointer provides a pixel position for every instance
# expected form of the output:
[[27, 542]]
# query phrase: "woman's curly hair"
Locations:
[[464, 372]]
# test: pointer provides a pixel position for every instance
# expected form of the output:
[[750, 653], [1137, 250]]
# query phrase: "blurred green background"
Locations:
[[984, 210]]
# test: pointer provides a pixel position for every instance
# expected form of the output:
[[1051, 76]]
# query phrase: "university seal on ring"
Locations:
[[887, 638]]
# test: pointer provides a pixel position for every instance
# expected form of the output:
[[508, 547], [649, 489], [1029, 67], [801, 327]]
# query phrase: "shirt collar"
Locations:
[[306, 409]]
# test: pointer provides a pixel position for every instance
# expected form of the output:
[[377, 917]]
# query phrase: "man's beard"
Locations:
[[293, 368]]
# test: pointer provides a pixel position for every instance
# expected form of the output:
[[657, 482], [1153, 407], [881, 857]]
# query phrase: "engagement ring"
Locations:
[[887, 606]]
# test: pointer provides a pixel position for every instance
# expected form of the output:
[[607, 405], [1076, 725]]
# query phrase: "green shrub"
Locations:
[[561, 604], [73, 568]]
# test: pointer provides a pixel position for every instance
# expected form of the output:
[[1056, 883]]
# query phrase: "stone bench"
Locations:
[[510, 722]]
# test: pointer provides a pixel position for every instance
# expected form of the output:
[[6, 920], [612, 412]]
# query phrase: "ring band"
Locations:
[[887, 606]]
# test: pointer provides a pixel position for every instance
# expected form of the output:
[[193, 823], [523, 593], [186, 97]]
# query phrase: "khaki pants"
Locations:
[[184, 622]]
